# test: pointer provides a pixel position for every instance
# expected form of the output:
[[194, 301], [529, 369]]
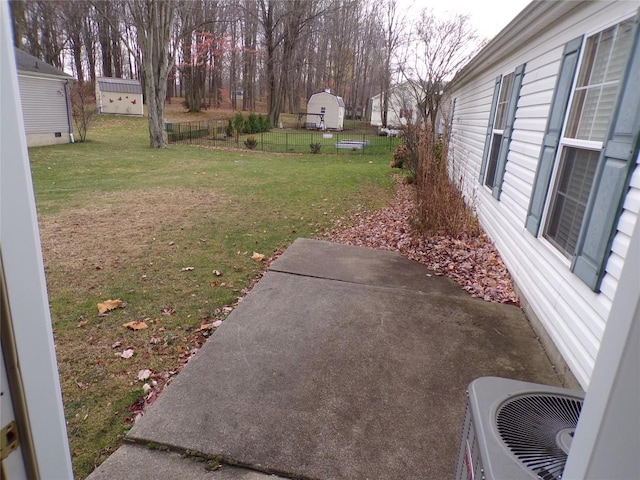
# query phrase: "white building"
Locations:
[[545, 135], [45, 98], [119, 96], [325, 111], [402, 108]]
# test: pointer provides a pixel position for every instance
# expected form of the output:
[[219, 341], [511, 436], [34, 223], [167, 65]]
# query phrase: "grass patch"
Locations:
[[119, 220]]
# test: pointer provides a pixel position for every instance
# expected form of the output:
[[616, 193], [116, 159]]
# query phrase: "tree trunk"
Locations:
[[17, 19], [154, 24], [89, 44], [104, 38]]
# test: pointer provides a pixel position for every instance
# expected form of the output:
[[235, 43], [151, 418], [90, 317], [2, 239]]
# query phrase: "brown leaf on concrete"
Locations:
[[471, 261]]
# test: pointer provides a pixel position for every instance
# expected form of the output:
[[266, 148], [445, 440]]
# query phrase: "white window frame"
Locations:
[[495, 144], [568, 142]]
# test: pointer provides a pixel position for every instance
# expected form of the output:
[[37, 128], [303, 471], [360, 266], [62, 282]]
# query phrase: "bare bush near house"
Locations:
[[82, 107], [441, 208]]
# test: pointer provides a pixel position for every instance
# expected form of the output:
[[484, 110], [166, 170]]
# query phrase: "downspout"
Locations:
[[68, 101]]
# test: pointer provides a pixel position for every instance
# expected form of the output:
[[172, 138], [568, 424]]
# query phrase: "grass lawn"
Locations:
[[171, 233]]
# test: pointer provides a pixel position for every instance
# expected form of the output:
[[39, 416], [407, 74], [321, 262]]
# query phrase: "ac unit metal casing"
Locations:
[[485, 454]]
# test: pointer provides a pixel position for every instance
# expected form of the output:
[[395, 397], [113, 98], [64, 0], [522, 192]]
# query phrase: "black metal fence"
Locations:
[[214, 133]]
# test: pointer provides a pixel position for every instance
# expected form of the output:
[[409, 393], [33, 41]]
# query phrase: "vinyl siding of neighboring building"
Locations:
[[119, 96], [44, 105], [571, 313]]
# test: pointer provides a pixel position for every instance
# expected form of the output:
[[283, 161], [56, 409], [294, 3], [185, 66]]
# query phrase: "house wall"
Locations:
[[400, 100], [376, 111], [572, 315], [45, 110], [334, 114], [121, 103]]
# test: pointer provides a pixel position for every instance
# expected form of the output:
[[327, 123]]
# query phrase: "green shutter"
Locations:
[[552, 134], [611, 182], [492, 115], [508, 130]]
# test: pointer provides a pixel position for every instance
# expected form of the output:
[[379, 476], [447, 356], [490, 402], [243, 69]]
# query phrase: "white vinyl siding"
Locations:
[[572, 314], [44, 104]]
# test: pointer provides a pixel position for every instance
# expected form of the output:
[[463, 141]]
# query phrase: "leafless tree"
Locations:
[[393, 23], [442, 46], [82, 107]]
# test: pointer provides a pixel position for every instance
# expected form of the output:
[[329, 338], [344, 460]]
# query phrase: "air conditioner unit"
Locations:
[[517, 430]]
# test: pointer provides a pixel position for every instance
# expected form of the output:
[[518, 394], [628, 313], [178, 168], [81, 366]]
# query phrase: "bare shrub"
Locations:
[[82, 107], [440, 205]]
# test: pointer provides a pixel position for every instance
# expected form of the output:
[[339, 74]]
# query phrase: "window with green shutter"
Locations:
[[582, 173], [500, 128]]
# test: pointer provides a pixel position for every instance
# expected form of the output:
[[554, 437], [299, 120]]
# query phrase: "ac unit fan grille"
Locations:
[[537, 429]]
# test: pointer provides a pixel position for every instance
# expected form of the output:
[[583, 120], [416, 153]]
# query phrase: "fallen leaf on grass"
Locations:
[[257, 257], [109, 305], [144, 374], [82, 323], [155, 340], [136, 325], [118, 344], [82, 385], [205, 326], [186, 269], [168, 311], [217, 323], [217, 273], [128, 353]]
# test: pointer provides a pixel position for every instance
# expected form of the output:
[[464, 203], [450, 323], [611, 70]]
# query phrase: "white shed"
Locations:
[[119, 96], [44, 94], [325, 111]]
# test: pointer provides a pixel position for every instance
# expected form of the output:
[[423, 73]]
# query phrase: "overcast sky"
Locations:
[[488, 16]]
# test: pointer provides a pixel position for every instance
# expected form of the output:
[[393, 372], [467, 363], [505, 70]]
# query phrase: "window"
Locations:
[[501, 119], [589, 148], [577, 169], [594, 96], [506, 86]]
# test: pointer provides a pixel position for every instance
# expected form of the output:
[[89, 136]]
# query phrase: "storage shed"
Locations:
[[119, 96], [45, 99], [325, 111]]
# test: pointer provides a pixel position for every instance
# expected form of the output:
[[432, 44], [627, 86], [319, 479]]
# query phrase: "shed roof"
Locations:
[[338, 99], [26, 62], [119, 85]]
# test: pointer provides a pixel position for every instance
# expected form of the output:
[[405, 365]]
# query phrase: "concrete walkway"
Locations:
[[341, 363]]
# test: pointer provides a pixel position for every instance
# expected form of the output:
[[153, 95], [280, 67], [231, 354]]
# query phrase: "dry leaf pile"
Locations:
[[472, 262]]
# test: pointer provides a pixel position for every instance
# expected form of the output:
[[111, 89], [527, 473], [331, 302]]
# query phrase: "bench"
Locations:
[[352, 144]]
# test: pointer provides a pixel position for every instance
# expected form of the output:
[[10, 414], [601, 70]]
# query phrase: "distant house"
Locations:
[[45, 98], [402, 107], [119, 96], [325, 111]]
